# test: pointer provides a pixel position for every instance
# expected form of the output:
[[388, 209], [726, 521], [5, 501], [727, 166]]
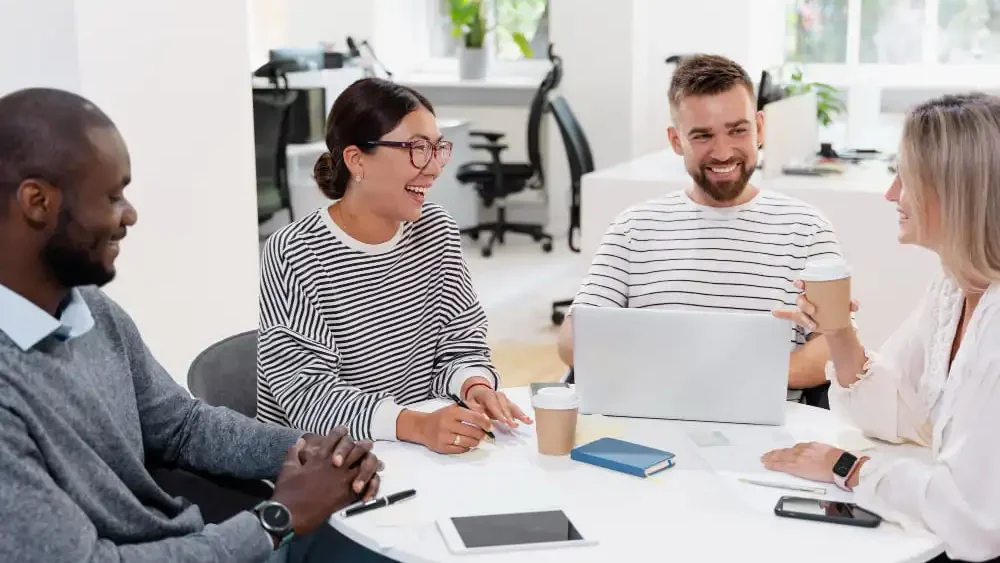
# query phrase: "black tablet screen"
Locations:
[[515, 529]]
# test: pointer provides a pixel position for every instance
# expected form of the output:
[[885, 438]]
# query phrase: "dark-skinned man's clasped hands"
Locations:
[[323, 474]]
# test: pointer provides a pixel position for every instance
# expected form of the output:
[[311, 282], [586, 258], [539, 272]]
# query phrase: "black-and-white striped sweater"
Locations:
[[352, 332], [673, 253]]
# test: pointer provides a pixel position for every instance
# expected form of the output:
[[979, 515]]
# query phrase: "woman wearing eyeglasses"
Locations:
[[367, 305]]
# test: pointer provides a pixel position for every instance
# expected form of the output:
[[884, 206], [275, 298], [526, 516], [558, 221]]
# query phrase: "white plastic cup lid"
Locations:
[[556, 398], [827, 269]]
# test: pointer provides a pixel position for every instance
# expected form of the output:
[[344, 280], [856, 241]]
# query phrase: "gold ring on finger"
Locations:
[[457, 440]]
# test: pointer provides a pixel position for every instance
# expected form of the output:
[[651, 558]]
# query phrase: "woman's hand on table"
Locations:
[[812, 460], [494, 404], [448, 430]]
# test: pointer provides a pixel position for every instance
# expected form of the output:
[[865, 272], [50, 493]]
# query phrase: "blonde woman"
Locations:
[[936, 382]]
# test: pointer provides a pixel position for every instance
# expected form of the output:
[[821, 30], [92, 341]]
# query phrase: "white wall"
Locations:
[[188, 270], [317, 21], [594, 39], [749, 32], [37, 44], [267, 28]]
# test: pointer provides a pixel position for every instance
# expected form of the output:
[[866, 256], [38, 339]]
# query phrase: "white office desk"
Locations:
[[888, 278], [460, 201], [691, 512]]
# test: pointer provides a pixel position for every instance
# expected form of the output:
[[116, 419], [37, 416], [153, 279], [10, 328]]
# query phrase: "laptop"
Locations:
[[684, 365]]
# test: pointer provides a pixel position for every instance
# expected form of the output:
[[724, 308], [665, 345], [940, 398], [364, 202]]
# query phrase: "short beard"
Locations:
[[70, 261], [725, 191]]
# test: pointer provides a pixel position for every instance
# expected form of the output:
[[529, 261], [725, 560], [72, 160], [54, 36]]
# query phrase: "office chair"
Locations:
[[225, 374], [496, 180], [270, 130], [581, 161]]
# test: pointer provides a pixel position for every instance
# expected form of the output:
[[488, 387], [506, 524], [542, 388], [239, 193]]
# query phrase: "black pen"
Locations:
[[462, 404], [379, 502]]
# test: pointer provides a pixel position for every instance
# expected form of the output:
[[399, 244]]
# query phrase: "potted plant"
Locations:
[[468, 21], [829, 101]]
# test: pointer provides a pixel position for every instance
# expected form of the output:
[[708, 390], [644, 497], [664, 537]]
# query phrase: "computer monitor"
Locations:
[[791, 134]]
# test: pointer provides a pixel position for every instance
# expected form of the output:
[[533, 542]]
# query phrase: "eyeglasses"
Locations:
[[421, 150]]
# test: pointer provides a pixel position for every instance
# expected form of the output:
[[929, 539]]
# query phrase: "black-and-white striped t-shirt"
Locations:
[[671, 252], [350, 332]]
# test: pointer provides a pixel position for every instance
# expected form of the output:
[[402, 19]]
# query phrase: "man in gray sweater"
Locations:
[[84, 407]]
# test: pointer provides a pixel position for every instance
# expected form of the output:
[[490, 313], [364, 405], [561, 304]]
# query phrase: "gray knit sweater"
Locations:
[[80, 419]]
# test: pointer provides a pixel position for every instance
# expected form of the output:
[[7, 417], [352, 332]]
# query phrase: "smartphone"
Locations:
[[826, 511]]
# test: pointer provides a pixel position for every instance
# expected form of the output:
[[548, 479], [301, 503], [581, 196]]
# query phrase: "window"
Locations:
[[817, 31], [893, 32], [968, 31], [528, 17]]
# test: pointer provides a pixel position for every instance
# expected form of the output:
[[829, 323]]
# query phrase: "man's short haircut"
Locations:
[[44, 136], [707, 75]]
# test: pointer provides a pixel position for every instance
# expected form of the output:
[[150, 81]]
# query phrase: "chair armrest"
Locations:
[[494, 150], [491, 136], [491, 148]]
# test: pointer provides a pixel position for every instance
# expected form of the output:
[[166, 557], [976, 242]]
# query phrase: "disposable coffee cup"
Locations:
[[556, 412], [828, 287]]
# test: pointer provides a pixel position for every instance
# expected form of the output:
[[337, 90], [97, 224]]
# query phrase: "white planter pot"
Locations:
[[472, 63]]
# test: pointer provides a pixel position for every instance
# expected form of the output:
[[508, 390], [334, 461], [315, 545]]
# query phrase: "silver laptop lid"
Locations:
[[687, 365]]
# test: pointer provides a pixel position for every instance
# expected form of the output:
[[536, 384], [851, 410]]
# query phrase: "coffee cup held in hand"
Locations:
[[556, 412], [828, 288]]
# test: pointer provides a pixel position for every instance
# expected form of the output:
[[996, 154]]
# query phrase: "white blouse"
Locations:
[[909, 395]]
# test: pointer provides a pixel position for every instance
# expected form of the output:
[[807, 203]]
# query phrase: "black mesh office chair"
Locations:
[[271, 109], [496, 180], [581, 161]]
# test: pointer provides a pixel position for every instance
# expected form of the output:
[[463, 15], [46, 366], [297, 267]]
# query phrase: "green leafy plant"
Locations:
[[829, 101], [469, 22]]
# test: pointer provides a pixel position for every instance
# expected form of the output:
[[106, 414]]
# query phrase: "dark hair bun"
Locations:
[[325, 172]]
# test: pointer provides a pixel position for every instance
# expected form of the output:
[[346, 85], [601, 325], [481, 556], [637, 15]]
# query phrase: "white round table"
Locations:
[[696, 511]]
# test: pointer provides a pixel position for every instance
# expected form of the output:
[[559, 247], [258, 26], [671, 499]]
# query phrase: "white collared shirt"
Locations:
[[27, 324], [910, 395]]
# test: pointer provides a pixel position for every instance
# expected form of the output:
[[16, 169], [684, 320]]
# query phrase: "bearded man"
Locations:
[[722, 243]]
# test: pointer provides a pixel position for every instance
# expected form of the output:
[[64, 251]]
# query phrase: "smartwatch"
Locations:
[[276, 520], [843, 469]]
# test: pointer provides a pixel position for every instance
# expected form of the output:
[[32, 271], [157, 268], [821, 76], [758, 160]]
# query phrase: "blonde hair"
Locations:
[[950, 157]]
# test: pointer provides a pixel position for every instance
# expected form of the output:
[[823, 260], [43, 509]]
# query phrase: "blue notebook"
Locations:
[[619, 455]]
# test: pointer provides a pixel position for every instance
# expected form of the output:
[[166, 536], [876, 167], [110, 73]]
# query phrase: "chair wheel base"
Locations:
[[547, 246], [558, 317]]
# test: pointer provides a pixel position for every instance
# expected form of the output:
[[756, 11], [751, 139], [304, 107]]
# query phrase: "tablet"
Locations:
[[512, 531]]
